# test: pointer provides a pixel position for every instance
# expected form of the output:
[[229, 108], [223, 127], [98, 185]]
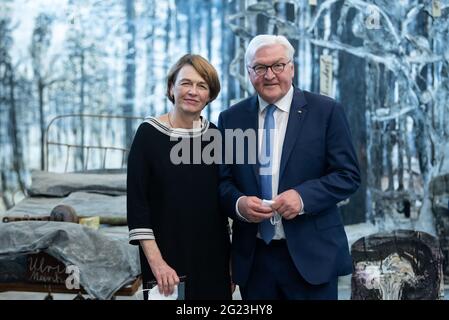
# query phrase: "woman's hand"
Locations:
[[166, 276]]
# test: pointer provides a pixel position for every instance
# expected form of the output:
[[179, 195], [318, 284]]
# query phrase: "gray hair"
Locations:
[[263, 40]]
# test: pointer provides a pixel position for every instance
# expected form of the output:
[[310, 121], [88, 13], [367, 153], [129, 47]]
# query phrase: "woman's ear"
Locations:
[[172, 97]]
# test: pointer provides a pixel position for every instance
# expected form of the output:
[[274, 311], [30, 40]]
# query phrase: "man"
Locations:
[[295, 246]]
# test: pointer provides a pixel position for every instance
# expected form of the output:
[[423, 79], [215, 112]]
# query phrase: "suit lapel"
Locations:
[[296, 118], [253, 124]]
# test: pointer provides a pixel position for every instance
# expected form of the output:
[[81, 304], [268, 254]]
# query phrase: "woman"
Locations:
[[173, 208]]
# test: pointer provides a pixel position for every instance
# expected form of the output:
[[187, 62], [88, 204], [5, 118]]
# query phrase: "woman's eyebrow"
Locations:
[[187, 79]]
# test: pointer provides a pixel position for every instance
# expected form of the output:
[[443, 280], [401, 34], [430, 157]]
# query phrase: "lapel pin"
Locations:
[[299, 111]]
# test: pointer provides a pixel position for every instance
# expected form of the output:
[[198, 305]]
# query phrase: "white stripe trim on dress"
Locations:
[[179, 132], [141, 234]]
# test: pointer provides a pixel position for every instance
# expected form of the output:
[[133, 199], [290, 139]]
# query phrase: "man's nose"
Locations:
[[269, 74]]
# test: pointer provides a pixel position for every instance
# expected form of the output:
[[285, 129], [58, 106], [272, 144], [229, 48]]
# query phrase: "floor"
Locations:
[[344, 293]]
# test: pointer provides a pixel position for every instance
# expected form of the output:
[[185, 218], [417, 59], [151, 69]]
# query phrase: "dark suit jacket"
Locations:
[[319, 162]]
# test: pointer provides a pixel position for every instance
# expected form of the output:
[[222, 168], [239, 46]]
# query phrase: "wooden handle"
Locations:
[[110, 220], [25, 218], [113, 221]]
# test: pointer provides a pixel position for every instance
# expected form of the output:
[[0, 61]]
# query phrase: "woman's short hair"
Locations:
[[204, 69], [263, 40]]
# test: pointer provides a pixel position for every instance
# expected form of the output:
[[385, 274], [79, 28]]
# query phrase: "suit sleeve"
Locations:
[[342, 177], [228, 192]]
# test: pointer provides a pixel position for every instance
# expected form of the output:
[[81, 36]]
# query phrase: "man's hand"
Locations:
[[251, 209], [287, 204]]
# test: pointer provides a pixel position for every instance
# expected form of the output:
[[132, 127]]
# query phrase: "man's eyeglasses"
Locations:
[[276, 68]]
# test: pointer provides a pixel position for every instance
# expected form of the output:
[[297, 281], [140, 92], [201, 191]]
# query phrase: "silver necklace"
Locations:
[[171, 125]]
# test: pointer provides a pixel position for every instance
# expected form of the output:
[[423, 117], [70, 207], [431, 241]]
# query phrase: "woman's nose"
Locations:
[[193, 90]]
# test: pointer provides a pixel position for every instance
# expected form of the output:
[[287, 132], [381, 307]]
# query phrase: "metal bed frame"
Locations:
[[49, 288], [88, 148]]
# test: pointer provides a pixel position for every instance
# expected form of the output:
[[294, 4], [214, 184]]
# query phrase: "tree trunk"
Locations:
[[151, 68], [209, 42], [352, 98], [130, 73], [80, 165], [230, 45], [13, 125], [167, 47], [40, 92], [190, 27]]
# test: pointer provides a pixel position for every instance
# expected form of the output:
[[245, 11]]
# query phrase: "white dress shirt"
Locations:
[[281, 119]]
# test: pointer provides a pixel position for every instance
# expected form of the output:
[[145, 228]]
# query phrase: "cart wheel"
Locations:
[[63, 213]]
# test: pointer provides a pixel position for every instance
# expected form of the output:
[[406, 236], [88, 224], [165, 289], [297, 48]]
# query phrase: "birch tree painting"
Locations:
[[385, 61]]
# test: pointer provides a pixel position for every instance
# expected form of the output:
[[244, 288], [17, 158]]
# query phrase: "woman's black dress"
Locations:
[[177, 205]]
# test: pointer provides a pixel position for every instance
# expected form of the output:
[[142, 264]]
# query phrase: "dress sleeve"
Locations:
[[138, 184]]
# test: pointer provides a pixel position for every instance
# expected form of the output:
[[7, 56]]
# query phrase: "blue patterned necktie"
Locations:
[[266, 228]]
